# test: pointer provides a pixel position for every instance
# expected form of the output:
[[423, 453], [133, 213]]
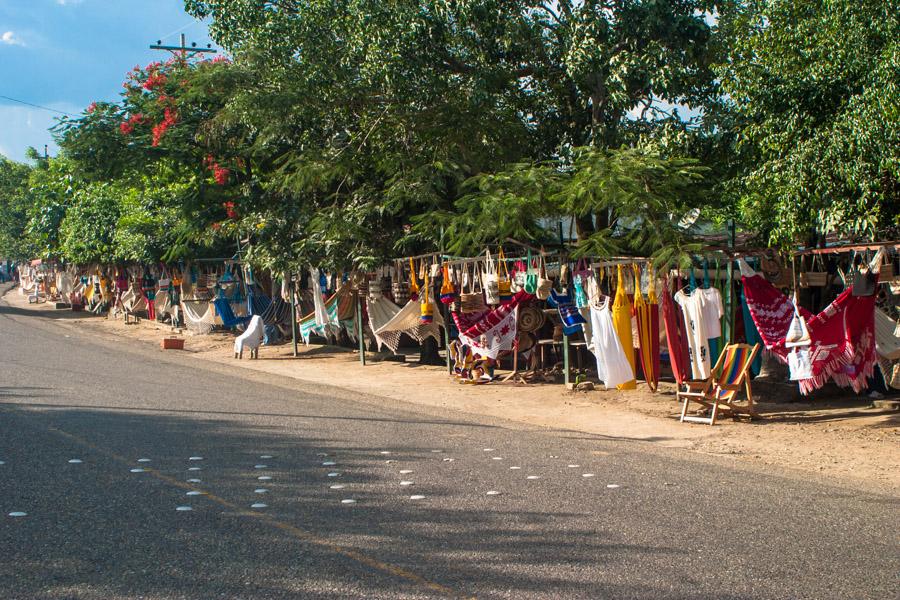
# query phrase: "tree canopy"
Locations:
[[342, 133]]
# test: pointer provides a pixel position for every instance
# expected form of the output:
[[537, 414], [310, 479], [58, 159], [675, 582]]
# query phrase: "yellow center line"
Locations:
[[291, 530]]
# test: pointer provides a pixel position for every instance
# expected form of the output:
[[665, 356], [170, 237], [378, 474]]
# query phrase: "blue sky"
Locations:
[[64, 54]]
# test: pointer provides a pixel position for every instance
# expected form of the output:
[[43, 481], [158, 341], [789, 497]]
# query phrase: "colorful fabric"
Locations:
[[751, 335], [843, 334], [621, 316], [647, 316], [494, 334], [698, 320], [676, 338]]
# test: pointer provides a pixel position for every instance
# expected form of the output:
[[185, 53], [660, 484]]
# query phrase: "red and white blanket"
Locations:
[[843, 335]]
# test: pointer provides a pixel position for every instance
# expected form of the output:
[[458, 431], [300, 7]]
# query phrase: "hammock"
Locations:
[[408, 320], [647, 316], [330, 326], [273, 311], [491, 318], [843, 335], [676, 338], [161, 303], [381, 311], [887, 336], [226, 313], [621, 314], [199, 315]]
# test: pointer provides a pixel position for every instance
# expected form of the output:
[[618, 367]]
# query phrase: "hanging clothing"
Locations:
[[697, 328], [676, 338], [621, 315], [613, 366]]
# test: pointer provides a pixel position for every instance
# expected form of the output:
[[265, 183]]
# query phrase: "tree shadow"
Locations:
[[100, 530]]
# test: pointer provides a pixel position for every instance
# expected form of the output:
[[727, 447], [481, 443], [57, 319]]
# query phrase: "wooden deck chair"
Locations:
[[720, 389]]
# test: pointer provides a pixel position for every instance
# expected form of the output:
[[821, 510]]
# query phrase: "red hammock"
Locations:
[[676, 336], [493, 317], [843, 335]]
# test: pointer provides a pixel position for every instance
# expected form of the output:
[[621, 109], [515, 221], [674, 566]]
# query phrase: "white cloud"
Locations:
[[11, 39], [68, 2]]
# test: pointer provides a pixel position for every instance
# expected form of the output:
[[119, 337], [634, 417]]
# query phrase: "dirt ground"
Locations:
[[842, 439]]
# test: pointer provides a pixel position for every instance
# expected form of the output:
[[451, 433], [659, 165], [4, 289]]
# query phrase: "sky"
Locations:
[[65, 54]]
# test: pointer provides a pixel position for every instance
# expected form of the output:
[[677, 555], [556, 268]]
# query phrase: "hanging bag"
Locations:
[[531, 278], [413, 284], [399, 287], [812, 277], [448, 292], [426, 307], [490, 281], [504, 285], [544, 283], [473, 300]]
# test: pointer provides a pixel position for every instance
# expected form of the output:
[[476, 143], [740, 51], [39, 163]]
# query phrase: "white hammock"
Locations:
[[887, 336], [199, 315], [405, 320]]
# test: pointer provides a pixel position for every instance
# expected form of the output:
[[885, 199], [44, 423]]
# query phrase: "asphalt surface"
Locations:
[[582, 517]]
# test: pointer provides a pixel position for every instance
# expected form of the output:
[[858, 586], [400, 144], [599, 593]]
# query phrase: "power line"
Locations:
[[62, 112]]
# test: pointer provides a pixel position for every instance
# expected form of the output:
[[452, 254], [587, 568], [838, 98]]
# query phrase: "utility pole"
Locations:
[[183, 49]]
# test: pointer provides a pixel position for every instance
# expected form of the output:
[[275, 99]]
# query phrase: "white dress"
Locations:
[[613, 367]]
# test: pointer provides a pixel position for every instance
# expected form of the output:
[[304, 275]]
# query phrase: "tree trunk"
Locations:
[[584, 226], [429, 354]]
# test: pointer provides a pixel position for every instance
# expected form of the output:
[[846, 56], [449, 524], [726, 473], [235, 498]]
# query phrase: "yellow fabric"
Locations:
[[621, 316], [413, 286]]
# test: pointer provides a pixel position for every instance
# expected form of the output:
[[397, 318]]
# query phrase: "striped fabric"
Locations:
[[732, 366]]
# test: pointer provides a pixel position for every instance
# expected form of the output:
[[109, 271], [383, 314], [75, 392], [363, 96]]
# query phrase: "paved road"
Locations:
[[576, 516]]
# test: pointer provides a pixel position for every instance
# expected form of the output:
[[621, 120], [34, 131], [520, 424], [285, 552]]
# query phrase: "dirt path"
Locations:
[[841, 439]]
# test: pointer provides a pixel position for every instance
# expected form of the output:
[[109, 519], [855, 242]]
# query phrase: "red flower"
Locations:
[[217, 226], [221, 174], [229, 209], [155, 80], [126, 127], [91, 107]]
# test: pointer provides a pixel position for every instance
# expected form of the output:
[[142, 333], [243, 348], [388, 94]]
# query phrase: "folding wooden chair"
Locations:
[[720, 389]]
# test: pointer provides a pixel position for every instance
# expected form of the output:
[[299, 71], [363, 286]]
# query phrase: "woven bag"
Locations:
[[544, 283], [473, 300]]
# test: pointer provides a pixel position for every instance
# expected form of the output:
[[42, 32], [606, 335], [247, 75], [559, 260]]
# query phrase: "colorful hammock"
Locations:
[[676, 337], [226, 313], [621, 314], [843, 334], [647, 315]]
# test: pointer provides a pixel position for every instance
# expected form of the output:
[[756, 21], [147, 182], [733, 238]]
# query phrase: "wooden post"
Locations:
[[565, 345], [293, 315], [360, 330], [447, 318]]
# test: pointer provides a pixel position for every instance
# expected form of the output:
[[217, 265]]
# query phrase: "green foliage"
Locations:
[[88, 231], [14, 203], [813, 88]]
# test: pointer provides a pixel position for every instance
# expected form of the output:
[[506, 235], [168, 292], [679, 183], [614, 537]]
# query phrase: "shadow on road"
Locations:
[[105, 531]]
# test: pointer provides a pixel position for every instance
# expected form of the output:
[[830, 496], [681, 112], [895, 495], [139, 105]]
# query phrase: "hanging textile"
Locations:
[[842, 335], [676, 337], [751, 334], [702, 311], [408, 321], [887, 336], [647, 316], [380, 310], [613, 367], [494, 334], [621, 315], [199, 315]]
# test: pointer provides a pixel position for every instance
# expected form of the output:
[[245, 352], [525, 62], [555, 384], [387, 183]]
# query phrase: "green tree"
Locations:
[[812, 94]]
